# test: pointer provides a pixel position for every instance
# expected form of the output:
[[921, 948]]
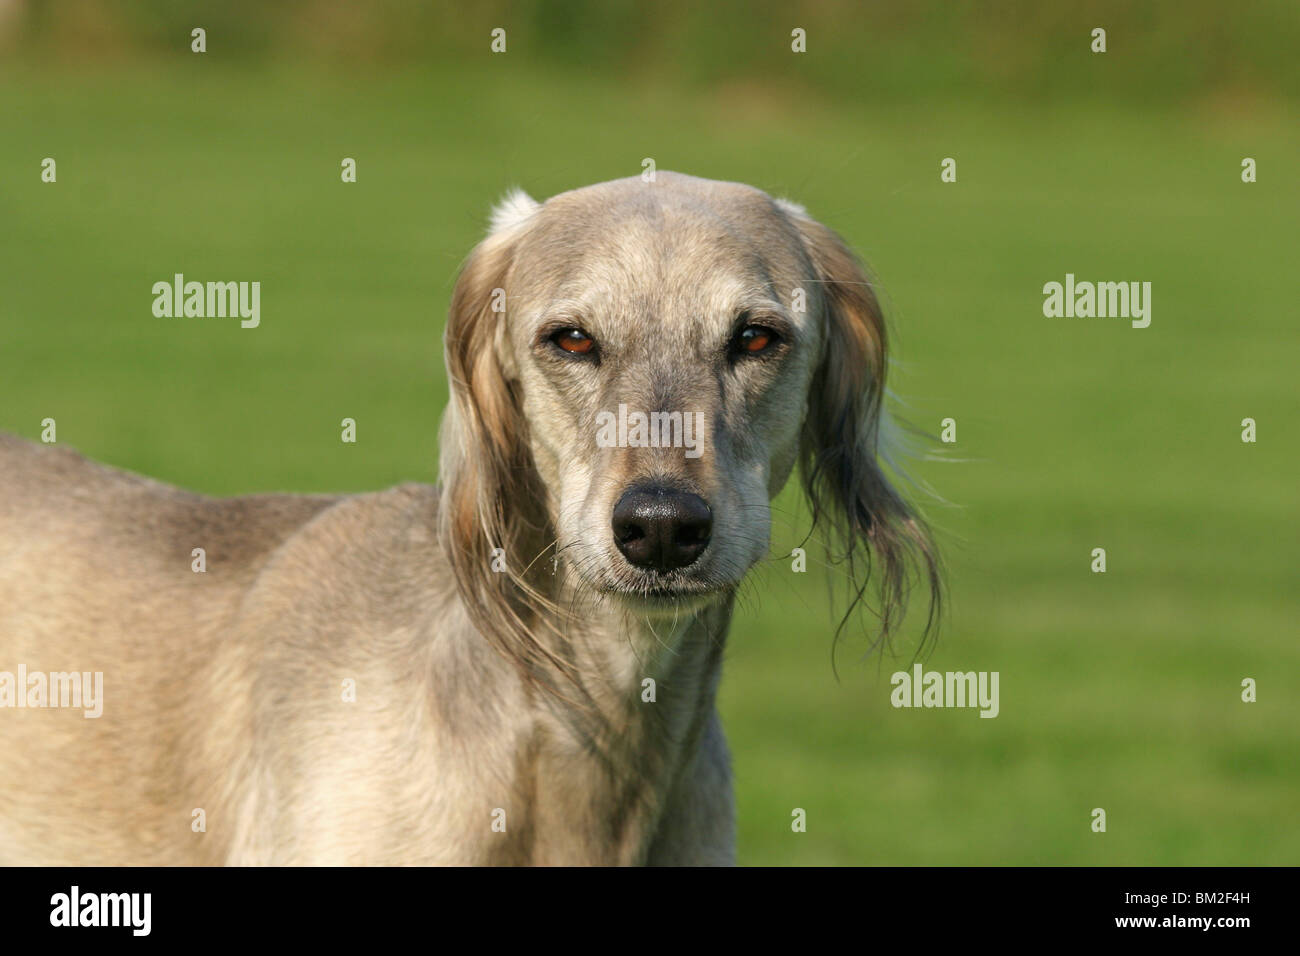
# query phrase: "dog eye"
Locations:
[[753, 339], [574, 340]]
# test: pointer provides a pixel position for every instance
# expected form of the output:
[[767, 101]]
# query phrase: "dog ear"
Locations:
[[492, 522], [841, 445]]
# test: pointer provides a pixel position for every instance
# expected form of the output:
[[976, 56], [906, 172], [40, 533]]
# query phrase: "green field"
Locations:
[[1118, 690]]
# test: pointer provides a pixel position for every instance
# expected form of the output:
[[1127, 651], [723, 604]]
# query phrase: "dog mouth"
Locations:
[[663, 592], [666, 592], [665, 601]]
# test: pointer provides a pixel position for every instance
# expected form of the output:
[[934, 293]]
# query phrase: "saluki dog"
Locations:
[[518, 666]]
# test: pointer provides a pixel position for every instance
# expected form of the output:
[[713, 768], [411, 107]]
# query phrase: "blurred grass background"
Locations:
[[1119, 691]]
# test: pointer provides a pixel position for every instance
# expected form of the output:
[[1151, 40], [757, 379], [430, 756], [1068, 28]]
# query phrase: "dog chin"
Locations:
[[666, 603]]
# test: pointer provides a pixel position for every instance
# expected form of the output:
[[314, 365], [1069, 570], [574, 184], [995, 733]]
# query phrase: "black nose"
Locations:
[[661, 529]]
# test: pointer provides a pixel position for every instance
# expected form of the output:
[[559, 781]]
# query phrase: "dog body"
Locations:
[[519, 666], [223, 692]]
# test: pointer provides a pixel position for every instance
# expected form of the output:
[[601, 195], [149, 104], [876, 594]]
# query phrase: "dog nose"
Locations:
[[661, 529]]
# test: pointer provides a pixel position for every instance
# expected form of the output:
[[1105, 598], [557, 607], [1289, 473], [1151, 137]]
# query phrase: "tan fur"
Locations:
[[477, 690]]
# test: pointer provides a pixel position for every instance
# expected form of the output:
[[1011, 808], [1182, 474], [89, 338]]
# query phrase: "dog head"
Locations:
[[636, 369]]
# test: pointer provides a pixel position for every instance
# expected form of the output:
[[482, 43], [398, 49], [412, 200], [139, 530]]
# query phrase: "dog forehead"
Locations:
[[677, 237]]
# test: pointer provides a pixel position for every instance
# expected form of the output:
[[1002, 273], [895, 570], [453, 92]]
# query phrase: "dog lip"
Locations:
[[699, 579], [669, 592], [666, 591], [665, 601], [659, 592]]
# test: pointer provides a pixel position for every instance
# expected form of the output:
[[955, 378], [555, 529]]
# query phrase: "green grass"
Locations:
[[1118, 691]]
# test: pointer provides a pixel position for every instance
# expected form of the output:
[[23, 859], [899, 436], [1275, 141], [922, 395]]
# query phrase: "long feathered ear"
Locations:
[[841, 448], [492, 523]]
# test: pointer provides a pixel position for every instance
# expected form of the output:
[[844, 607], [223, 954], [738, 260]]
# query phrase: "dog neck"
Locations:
[[651, 683], [628, 657]]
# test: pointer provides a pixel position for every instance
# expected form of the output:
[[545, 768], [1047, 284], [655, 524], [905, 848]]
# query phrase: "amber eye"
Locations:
[[574, 340], [753, 339]]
